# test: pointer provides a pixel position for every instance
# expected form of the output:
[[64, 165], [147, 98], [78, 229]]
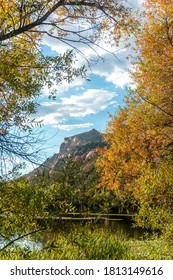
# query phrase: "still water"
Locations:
[[116, 225], [66, 225]]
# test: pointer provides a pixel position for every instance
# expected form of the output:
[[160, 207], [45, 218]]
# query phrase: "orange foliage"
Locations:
[[140, 136]]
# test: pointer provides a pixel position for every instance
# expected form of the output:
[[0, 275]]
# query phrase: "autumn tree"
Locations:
[[138, 162], [59, 19], [153, 77], [132, 146], [153, 71]]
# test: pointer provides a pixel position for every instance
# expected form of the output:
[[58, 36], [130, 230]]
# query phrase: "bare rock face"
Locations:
[[91, 155], [81, 146], [74, 143]]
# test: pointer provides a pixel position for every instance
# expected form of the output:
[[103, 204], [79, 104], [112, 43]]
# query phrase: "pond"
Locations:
[[118, 224], [115, 223]]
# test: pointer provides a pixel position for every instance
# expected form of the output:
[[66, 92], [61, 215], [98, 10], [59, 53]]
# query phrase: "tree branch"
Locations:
[[20, 237], [31, 25], [40, 20]]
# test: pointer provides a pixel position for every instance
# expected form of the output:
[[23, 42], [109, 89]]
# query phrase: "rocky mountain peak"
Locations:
[[81, 146], [71, 143]]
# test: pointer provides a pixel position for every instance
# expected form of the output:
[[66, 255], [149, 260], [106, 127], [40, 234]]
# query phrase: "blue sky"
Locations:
[[83, 105]]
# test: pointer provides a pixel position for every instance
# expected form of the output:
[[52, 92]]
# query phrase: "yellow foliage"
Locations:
[[138, 161]]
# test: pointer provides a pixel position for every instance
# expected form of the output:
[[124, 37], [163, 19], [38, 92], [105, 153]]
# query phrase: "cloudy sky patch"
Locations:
[[69, 127], [76, 106]]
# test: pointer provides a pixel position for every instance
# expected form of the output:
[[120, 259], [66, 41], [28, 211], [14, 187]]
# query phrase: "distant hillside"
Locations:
[[81, 146]]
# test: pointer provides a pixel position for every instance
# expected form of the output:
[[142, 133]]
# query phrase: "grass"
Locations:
[[93, 244]]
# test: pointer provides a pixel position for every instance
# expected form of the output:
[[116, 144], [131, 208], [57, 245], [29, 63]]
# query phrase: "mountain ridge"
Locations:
[[82, 147]]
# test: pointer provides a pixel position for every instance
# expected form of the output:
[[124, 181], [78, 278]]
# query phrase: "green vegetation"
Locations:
[[75, 189], [94, 244], [37, 202]]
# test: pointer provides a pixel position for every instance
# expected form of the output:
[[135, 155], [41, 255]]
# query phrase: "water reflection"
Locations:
[[124, 226], [70, 225]]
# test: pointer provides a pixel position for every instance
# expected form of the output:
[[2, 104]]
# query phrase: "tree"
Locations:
[[23, 73], [153, 71], [24, 68], [153, 78], [138, 161], [21, 210], [132, 146], [75, 188], [156, 198], [29, 17]]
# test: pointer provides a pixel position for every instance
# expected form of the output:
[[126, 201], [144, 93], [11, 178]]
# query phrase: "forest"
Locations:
[[132, 174]]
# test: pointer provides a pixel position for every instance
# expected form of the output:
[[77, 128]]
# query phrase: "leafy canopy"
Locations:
[[138, 162]]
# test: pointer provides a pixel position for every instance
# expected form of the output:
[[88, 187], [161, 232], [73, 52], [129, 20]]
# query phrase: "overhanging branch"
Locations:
[[39, 21], [20, 237]]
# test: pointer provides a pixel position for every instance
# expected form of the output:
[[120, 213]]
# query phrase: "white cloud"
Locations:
[[107, 61], [76, 106], [119, 77], [100, 57], [112, 69], [69, 127]]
